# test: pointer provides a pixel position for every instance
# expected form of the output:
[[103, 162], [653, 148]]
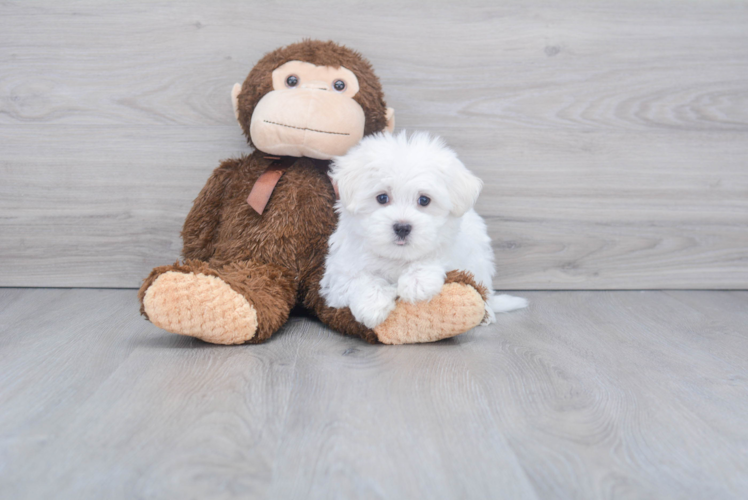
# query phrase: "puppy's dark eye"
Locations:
[[424, 200], [339, 85], [383, 199], [292, 81]]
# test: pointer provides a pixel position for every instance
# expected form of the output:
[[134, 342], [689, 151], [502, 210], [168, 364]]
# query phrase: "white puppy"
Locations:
[[406, 218]]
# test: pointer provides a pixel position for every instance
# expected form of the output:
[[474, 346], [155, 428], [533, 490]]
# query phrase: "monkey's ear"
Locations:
[[390, 115], [235, 100]]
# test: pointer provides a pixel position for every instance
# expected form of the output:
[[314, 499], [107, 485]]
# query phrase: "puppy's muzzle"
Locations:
[[402, 230]]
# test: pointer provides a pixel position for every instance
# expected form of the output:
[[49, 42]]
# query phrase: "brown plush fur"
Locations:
[[276, 260], [466, 278]]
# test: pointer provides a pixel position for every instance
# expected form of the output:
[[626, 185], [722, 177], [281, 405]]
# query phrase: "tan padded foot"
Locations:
[[456, 309], [200, 306]]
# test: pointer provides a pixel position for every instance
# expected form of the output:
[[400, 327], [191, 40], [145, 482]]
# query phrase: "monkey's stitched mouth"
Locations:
[[304, 128]]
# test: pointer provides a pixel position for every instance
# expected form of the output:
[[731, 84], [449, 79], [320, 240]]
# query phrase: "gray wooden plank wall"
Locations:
[[612, 135]]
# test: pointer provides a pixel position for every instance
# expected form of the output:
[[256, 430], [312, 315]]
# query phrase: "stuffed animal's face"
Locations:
[[314, 99], [309, 112]]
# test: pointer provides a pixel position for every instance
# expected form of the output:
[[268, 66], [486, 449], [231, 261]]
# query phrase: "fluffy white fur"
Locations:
[[368, 265]]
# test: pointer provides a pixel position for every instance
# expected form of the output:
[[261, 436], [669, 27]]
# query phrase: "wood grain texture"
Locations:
[[583, 395], [612, 136]]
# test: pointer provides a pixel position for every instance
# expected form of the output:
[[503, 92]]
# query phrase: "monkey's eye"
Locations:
[[382, 199], [424, 200], [339, 85], [292, 81]]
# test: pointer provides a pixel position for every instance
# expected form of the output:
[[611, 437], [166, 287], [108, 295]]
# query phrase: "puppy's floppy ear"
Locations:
[[464, 188], [348, 179]]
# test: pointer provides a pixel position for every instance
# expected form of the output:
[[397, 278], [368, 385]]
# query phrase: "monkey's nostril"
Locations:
[[402, 230]]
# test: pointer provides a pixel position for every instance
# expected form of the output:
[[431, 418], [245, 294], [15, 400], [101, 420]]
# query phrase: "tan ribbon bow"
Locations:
[[261, 192]]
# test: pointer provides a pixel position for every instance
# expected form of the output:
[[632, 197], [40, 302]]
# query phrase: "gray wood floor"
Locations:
[[583, 395]]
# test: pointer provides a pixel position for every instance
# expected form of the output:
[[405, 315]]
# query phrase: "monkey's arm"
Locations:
[[200, 227]]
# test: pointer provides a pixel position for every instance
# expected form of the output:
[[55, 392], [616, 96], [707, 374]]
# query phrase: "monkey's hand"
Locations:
[[459, 307]]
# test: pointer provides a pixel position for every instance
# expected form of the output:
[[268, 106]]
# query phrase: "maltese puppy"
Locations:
[[406, 218]]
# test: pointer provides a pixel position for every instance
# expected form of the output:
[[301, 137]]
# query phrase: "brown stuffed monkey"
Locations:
[[256, 238]]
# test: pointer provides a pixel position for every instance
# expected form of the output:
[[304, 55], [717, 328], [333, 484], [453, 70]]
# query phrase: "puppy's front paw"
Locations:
[[421, 283], [374, 305]]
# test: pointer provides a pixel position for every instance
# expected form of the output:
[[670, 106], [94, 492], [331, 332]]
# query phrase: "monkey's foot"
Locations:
[[200, 306], [459, 307]]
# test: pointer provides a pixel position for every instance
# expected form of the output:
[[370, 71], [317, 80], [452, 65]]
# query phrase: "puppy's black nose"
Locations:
[[402, 230]]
